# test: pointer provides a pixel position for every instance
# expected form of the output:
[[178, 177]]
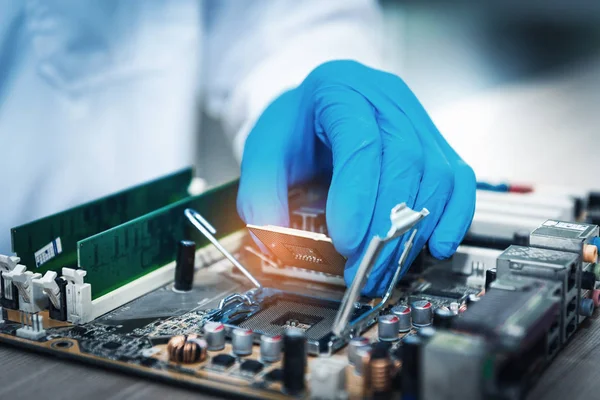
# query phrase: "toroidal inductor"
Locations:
[[187, 349]]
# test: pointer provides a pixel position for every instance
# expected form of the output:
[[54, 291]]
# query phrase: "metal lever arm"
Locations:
[[208, 231], [402, 219]]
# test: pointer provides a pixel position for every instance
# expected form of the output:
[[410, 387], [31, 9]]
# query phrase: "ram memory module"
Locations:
[[50, 243]]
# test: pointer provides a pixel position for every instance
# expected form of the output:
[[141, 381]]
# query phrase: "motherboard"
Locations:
[[171, 287]]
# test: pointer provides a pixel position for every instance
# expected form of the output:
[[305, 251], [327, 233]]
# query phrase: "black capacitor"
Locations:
[[53, 312], [490, 276], [521, 238], [411, 359], [294, 361], [588, 280], [426, 333], [442, 318], [578, 205], [594, 200], [10, 304], [184, 266]]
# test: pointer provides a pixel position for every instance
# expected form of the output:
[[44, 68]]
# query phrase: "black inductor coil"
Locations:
[[294, 361], [184, 266]]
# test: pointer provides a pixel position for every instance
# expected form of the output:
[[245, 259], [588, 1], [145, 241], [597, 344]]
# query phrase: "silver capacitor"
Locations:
[[214, 333], [422, 313], [363, 355], [403, 314], [270, 348], [242, 341], [388, 327], [355, 344]]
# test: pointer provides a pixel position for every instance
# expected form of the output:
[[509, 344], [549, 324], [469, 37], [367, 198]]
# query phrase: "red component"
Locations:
[[520, 189], [428, 305]]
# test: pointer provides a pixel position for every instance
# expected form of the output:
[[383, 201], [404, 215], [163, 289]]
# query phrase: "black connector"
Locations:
[[56, 313]]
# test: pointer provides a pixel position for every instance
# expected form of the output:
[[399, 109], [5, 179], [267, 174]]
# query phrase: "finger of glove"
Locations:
[[263, 191], [434, 194], [345, 121], [401, 171], [460, 206]]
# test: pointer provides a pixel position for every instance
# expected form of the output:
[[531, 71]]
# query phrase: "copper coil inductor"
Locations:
[[379, 370], [187, 349]]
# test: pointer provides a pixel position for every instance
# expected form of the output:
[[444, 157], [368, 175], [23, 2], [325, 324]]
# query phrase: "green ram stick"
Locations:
[[50, 243], [129, 251]]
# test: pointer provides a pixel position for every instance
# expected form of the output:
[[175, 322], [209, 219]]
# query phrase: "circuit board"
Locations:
[[503, 315], [134, 337]]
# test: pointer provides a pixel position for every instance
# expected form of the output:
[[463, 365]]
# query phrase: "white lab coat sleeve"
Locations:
[[258, 49]]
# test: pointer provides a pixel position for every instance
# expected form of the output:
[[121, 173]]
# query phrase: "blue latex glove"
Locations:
[[368, 129]]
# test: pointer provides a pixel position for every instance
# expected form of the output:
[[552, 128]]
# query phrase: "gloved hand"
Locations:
[[369, 129]]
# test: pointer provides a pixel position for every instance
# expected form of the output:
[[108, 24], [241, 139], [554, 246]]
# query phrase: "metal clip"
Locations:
[[208, 231], [402, 219]]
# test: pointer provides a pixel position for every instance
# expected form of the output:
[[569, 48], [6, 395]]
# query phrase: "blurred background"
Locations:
[[513, 85]]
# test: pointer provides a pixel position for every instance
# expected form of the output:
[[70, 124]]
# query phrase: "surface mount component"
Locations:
[[303, 249], [251, 367], [223, 361]]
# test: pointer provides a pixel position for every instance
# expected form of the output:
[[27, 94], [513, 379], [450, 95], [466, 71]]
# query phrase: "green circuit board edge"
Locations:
[[68, 227]]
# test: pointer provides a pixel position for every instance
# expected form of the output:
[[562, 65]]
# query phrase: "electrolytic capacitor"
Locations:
[[442, 318], [294, 361], [388, 327], [411, 359], [184, 266], [363, 355], [421, 313], [426, 333], [270, 348], [242, 341], [490, 276], [214, 333], [355, 344], [403, 314], [521, 238]]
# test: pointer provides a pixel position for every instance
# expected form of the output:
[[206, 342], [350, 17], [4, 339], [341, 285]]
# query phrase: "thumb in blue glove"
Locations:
[[367, 129]]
